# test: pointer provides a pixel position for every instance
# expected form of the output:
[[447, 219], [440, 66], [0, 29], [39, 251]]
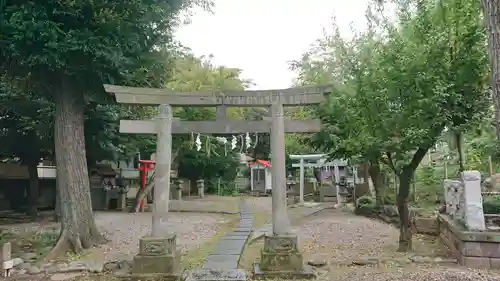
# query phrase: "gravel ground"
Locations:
[[124, 230], [260, 204], [341, 238]]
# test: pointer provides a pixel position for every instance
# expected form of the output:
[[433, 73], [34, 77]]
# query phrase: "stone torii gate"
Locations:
[[157, 253]]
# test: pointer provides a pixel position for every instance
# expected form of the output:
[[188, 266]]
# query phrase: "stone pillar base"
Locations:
[[158, 258], [281, 258]]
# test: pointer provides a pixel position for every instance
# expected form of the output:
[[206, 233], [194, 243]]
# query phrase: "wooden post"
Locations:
[[490, 165], [251, 178]]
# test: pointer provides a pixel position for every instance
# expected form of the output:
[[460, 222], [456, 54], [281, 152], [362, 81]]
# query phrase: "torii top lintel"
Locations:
[[288, 97]]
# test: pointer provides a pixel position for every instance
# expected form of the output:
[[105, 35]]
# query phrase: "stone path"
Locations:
[[224, 259], [227, 252]]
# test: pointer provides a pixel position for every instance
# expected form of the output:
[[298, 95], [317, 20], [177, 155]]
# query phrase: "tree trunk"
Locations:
[[460, 149], [78, 228], [405, 235], [374, 171], [405, 177], [492, 18], [57, 209], [33, 190]]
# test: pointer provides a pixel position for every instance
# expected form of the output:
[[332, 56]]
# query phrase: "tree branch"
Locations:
[[389, 162], [416, 159]]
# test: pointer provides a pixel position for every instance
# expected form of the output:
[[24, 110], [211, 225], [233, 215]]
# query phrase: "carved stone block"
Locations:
[[280, 243], [281, 254], [157, 246]]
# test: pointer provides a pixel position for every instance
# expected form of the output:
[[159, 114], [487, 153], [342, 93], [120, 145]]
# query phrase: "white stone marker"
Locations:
[[473, 201]]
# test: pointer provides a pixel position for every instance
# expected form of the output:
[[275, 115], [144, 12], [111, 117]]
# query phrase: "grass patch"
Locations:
[[260, 218], [29, 242], [196, 257]]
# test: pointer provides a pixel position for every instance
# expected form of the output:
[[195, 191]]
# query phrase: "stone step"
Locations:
[[217, 275], [229, 247], [222, 262]]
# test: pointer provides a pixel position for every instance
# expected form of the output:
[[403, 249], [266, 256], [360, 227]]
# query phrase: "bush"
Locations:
[[491, 205], [366, 200], [365, 206]]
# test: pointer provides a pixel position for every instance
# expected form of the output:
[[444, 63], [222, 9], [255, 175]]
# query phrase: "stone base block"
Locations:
[[157, 246], [291, 261], [157, 255], [282, 243], [306, 272], [165, 264], [281, 254]]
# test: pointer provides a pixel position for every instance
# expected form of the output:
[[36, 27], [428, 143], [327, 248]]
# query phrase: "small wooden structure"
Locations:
[[260, 176]]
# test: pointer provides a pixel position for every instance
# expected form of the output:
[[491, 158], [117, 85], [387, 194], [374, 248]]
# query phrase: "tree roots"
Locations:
[[77, 244]]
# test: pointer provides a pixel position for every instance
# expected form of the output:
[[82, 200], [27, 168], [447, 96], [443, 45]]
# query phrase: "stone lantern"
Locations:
[[178, 187], [200, 184], [290, 182]]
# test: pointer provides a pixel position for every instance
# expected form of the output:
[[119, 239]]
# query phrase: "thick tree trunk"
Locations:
[[405, 235], [57, 211], [33, 190], [78, 228], [492, 18], [374, 171]]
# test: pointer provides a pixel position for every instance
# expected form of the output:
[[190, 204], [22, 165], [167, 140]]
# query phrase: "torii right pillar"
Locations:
[[281, 256]]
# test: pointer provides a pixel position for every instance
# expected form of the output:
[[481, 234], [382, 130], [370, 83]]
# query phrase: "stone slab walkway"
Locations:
[[224, 259], [227, 252]]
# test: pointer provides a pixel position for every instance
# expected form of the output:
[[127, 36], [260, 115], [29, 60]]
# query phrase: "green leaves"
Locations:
[[399, 84]]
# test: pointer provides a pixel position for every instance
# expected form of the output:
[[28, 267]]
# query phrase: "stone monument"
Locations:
[[464, 201], [473, 201]]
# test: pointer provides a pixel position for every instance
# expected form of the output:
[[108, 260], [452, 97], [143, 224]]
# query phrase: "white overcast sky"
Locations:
[[262, 36]]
